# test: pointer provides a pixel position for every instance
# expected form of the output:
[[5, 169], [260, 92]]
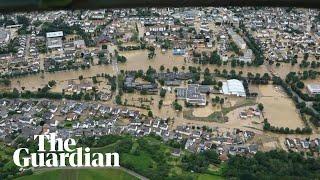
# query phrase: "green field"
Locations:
[[209, 177], [79, 174]]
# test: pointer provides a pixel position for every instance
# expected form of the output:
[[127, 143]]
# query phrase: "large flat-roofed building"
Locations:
[[192, 95], [233, 87], [54, 40], [313, 89]]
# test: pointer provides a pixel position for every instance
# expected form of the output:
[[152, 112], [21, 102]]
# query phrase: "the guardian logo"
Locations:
[[63, 153]]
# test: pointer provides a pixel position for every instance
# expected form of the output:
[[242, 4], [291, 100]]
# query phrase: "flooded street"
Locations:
[[35, 81], [136, 60]]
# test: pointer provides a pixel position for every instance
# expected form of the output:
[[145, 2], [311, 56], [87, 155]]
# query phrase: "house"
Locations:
[[305, 144], [313, 89], [147, 122], [172, 83], [79, 44], [183, 130], [3, 113], [253, 148], [178, 52], [71, 116], [223, 157], [247, 56], [176, 152], [289, 143], [26, 120], [243, 115]]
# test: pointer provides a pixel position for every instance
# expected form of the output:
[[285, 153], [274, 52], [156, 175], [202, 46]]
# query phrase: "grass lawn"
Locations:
[[209, 177], [106, 149], [142, 161], [6, 152], [247, 102], [79, 174]]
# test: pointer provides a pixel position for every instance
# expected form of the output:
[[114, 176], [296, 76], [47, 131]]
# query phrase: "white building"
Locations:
[[233, 87], [313, 89], [54, 39]]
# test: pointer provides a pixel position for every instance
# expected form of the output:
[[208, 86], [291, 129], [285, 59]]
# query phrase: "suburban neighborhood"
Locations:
[[234, 81]]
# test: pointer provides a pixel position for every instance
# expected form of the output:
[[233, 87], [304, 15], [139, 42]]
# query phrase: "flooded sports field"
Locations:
[[279, 109], [139, 60]]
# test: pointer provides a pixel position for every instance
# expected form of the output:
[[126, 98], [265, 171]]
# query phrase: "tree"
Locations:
[[162, 68], [23, 20], [94, 80], [87, 97], [177, 106], [80, 77], [118, 100], [216, 99], [41, 123], [6, 82], [175, 69], [300, 85], [163, 93], [221, 101], [52, 83], [15, 93], [260, 106], [212, 156], [150, 114], [160, 104], [195, 162], [275, 164], [121, 59]]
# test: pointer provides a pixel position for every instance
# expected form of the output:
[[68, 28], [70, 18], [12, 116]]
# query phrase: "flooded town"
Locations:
[[236, 80]]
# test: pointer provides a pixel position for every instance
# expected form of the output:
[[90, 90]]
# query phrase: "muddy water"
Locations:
[[205, 111], [33, 82], [139, 60], [278, 108], [237, 122], [136, 60]]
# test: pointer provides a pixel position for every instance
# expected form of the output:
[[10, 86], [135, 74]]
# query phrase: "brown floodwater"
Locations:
[[279, 109], [33, 82]]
